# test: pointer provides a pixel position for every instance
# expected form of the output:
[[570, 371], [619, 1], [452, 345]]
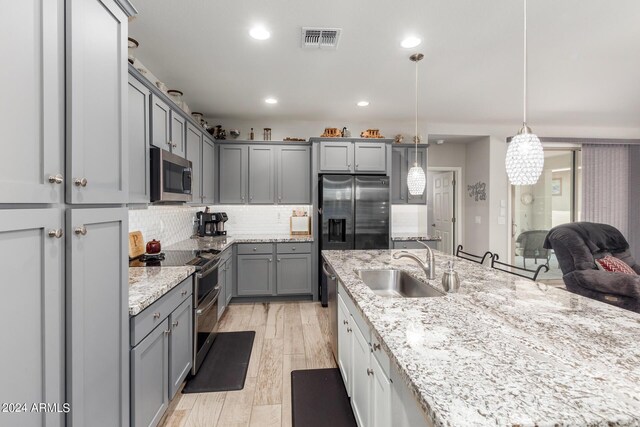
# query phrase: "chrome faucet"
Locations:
[[428, 267]]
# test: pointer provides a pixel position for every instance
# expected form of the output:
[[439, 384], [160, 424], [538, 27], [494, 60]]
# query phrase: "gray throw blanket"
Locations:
[[597, 237]]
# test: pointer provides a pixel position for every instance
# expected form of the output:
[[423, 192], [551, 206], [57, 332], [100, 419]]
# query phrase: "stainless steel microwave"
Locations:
[[170, 177]]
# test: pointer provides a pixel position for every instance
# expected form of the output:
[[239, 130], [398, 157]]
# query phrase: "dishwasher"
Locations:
[[332, 299]]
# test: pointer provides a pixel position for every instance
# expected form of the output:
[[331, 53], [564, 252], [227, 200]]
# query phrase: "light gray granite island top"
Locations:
[[148, 284], [503, 351]]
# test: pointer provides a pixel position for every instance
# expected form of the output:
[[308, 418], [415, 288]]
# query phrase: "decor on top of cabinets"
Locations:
[[234, 133], [371, 133], [197, 116], [525, 158], [398, 139], [293, 139], [416, 178], [331, 133], [478, 190], [346, 133], [132, 44], [266, 134], [251, 135]]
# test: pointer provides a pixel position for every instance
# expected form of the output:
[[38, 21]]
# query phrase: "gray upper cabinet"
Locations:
[[32, 111], [370, 157], [32, 360], [402, 159], [160, 123], [96, 75], [180, 345], [293, 274], [233, 174], [261, 174], [208, 171], [97, 320], [293, 175], [336, 156], [255, 275], [194, 154], [138, 141], [178, 133]]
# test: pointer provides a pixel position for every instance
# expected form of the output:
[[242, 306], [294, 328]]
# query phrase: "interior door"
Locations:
[[443, 199]]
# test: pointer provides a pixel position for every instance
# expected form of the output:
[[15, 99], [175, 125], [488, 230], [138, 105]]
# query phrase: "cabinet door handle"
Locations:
[[279, 259], [82, 230], [357, 165], [344, 322], [80, 182], [156, 315], [349, 330], [376, 346], [56, 233], [255, 249], [270, 260], [348, 165], [293, 248], [183, 293], [56, 179], [280, 198], [167, 332], [175, 324], [169, 143], [369, 371]]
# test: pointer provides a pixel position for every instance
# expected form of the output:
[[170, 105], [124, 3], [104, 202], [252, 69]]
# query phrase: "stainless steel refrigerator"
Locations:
[[354, 214]]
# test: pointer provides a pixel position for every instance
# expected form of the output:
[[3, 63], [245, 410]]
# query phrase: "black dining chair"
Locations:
[[472, 257], [508, 268]]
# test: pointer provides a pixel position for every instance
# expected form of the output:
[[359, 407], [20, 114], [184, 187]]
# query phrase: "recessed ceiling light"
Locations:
[[271, 101], [363, 103], [259, 33], [410, 42]]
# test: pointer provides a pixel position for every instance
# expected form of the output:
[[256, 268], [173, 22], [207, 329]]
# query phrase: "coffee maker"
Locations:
[[211, 223]]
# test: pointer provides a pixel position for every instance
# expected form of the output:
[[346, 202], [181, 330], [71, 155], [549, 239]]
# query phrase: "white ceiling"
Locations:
[[584, 59]]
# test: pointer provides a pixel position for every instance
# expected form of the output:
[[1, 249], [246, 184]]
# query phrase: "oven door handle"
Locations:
[[214, 300], [204, 273]]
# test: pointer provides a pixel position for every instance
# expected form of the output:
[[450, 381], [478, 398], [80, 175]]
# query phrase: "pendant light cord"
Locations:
[[416, 140], [524, 103]]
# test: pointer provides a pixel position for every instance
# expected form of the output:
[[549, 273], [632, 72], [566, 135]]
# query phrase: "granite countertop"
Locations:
[[424, 237], [503, 351], [222, 243], [148, 284]]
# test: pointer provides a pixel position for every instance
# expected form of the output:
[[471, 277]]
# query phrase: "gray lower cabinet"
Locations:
[[402, 159], [180, 345], [194, 154], [138, 132], [229, 282], [97, 304], [222, 282], [160, 123], [256, 275], [178, 134], [293, 274], [293, 174], [32, 301], [336, 156], [261, 175], [208, 171], [33, 120], [232, 179], [96, 88], [149, 378], [370, 156]]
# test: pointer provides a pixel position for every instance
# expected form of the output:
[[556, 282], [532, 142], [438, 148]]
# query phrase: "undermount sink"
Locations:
[[397, 284]]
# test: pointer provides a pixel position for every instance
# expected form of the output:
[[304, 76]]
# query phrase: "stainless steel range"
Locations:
[[205, 293]]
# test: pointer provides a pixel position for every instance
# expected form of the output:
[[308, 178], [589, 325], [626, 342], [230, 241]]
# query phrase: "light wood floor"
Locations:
[[289, 336]]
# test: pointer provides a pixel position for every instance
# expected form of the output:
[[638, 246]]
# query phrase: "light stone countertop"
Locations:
[[424, 237], [221, 243], [504, 351], [148, 284]]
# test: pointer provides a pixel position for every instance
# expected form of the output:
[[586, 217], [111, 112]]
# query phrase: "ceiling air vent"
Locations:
[[322, 38]]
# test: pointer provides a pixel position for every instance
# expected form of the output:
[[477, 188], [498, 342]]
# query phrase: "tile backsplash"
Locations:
[[171, 224], [409, 219]]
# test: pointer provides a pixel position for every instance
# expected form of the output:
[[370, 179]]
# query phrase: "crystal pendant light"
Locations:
[[416, 179], [525, 158]]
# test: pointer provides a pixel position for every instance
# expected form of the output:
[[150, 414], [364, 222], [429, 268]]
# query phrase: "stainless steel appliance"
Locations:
[[211, 224], [354, 214], [205, 293], [332, 297], [170, 177]]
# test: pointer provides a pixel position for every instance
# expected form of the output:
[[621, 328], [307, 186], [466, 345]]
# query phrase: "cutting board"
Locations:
[[136, 244]]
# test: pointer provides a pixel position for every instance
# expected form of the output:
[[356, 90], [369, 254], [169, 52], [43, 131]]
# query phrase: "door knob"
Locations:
[[175, 324], [56, 179], [56, 233], [82, 230], [80, 182], [376, 346], [369, 371]]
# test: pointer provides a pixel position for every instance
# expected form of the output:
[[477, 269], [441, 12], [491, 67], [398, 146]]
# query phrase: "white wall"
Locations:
[[477, 169]]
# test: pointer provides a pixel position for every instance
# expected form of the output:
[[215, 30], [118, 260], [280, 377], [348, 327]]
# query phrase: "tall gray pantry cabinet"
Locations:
[[64, 266]]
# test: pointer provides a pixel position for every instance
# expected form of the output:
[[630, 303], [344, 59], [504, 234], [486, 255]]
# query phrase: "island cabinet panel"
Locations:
[[255, 275], [293, 274], [261, 175], [160, 123], [294, 175], [138, 132], [380, 399], [33, 295], [180, 345], [336, 156], [97, 317], [370, 157], [232, 181], [32, 110], [149, 379], [96, 87], [361, 389], [208, 168], [344, 345], [194, 155]]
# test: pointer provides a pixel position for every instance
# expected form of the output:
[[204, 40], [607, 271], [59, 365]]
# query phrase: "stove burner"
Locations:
[[152, 257]]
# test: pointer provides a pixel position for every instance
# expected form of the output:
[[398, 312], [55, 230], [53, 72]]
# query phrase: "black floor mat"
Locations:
[[226, 364], [319, 398]]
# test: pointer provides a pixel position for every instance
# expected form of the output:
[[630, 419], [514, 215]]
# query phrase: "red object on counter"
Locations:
[[153, 247]]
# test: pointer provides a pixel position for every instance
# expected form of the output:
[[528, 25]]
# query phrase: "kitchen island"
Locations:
[[503, 350]]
